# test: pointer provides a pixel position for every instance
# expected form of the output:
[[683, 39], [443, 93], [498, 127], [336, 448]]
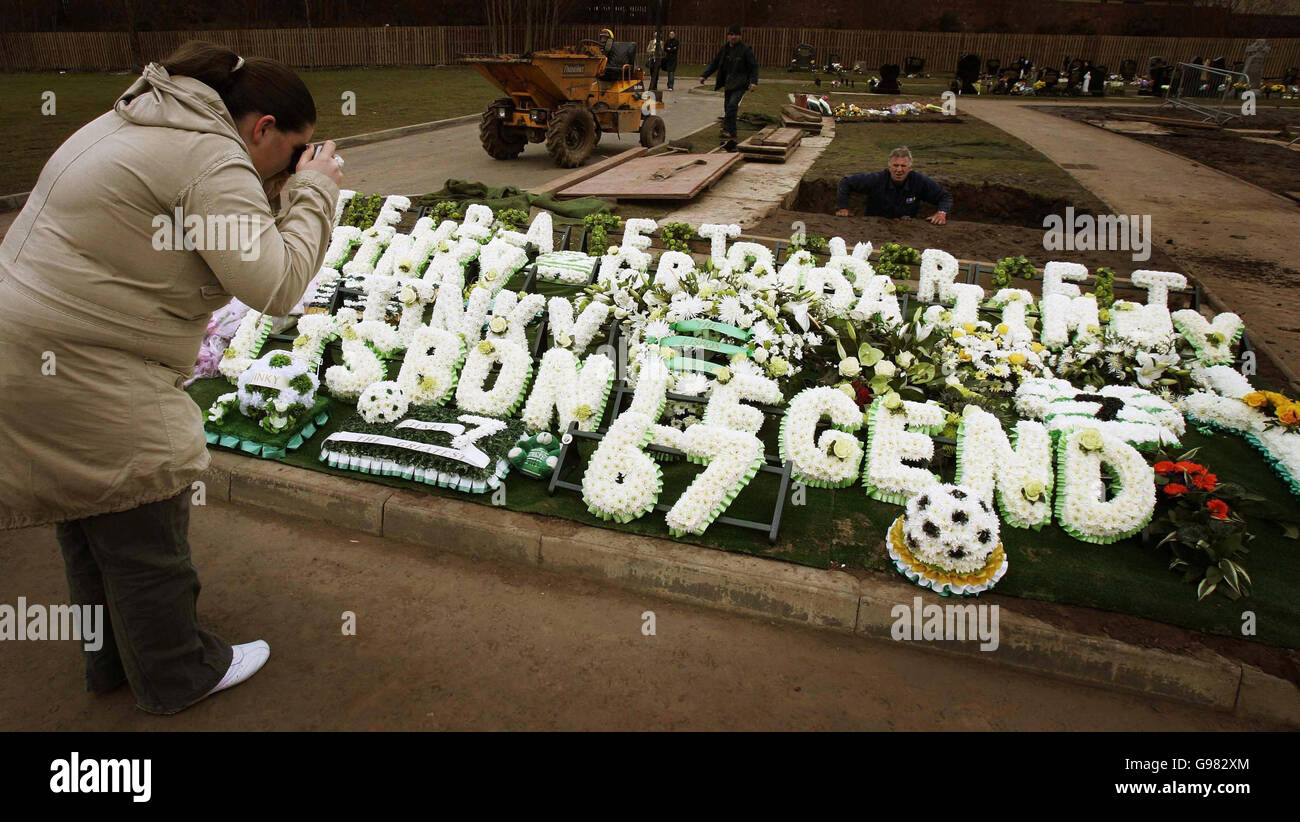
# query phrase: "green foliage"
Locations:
[[280, 360], [894, 259], [301, 383], [598, 226], [677, 236], [362, 210], [1105, 288], [447, 210], [807, 242], [1009, 267], [512, 219], [1197, 514]]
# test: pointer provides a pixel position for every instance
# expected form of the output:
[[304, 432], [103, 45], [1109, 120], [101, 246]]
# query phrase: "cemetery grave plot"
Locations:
[[1002, 190], [988, 242], [1269, 165]]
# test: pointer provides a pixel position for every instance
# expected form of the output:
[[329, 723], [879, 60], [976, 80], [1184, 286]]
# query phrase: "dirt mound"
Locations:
[[984, 242], [985, 203]]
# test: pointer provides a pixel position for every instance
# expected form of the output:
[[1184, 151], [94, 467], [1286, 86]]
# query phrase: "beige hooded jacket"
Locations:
[[102, 311]]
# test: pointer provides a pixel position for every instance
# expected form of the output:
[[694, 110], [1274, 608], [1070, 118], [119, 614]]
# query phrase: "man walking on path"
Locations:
[[895, 192], [737, 69], [671, 47]]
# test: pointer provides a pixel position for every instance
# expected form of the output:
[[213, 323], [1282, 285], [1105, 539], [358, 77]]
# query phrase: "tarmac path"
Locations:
[[443, 642], [421, 163]]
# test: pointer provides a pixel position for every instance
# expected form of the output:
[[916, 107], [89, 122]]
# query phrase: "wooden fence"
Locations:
[[425, 46]]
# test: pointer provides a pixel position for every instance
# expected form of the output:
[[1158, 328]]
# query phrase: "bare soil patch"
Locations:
[[1273, 167], [978, 203]]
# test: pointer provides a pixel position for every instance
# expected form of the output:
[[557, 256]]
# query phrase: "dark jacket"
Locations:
[[671, 46], [887, 199], [736, 65]]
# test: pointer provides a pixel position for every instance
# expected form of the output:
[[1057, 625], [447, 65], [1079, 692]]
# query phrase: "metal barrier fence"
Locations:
[[1205, 90]]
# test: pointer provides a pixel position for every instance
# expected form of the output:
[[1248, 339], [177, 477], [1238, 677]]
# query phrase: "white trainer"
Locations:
[[245, 660]]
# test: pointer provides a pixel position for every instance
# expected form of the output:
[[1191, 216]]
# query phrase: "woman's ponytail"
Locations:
[[253, 84]]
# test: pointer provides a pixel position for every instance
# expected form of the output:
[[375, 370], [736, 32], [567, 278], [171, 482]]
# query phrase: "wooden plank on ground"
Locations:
[[752, 144], [773, 147], [634, 179], [789, 111], [752, 156], [1175, 121], [587, 172], [782, 137]]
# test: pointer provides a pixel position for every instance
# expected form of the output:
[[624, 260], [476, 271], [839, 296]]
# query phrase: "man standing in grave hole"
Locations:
[[896, 191]]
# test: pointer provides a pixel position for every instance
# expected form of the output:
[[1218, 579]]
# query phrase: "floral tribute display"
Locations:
[[278, 393], [888, 373], [948, 541], [432, 445]]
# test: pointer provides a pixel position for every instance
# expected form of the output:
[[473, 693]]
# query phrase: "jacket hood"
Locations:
[[158, 99]]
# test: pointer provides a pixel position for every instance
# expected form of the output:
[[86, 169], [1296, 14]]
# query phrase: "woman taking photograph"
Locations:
[[101, 317]]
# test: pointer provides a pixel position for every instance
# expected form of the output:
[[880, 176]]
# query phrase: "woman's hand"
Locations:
[[323, 161]]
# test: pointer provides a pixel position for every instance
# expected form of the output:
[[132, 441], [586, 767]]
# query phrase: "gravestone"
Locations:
[[1095, 81], [805, 58], [1051, 77], [1254, 67], [888, 80], [913, 65], [968, 73], [1162, 76]]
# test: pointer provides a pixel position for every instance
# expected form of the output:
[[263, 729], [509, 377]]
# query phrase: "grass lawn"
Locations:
[[385, 98], [971, 151]]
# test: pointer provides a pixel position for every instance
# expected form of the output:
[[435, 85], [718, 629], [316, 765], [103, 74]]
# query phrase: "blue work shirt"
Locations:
[[885, 198]]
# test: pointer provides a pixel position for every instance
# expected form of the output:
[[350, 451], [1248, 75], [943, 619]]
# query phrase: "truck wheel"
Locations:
[[571, 135], [652, 130], [498, 141]]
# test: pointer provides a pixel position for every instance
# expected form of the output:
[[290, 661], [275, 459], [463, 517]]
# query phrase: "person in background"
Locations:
[[898, 191], [737, 69], [100, 325], [652, 62], [671, 46]]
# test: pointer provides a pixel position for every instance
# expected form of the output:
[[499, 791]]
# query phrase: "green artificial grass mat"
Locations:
[[843, 527]]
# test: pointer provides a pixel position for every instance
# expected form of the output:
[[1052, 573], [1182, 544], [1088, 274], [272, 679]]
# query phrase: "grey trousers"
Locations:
[[136, 564]]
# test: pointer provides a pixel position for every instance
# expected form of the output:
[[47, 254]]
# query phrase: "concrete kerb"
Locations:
[[403, 131], [825, 599], [751, 585], [322, 497], [1027, 643]]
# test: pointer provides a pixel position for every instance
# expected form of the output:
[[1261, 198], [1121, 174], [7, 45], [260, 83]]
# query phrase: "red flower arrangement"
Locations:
[[1206, 481], [1199, 528]]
